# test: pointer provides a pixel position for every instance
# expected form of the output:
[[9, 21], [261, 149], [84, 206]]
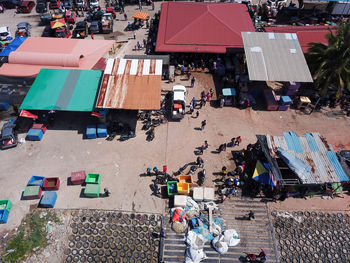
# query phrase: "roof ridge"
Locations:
[[222, 22], [193, 21]]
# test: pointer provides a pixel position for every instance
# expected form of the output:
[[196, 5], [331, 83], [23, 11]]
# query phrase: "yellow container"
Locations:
[[186, 179], [183, 188]]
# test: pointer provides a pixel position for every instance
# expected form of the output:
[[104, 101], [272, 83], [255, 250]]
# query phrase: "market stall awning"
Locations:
[[57, 23], [202, 27], [63, 89], [133, 84], [275, 57], [141, 15]]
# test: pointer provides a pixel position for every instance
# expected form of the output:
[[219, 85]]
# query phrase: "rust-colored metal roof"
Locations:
[[133, 84]]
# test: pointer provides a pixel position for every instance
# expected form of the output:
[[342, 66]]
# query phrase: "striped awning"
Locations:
[[131, 84], [63, 89], [141, 15]]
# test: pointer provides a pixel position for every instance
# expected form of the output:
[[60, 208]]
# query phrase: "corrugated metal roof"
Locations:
[[275, 57], [131, 84], [315, 151]]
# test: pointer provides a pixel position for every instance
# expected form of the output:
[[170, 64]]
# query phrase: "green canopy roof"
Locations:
[[63, 89]]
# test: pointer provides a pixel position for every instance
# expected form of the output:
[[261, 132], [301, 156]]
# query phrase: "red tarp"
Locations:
[[202, 27], [305, 34]]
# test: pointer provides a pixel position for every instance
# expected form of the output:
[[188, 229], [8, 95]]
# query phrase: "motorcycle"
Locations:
[[253, 258], [192, 170], [201, 177], [155, 189], [150, 135], [128, 136]]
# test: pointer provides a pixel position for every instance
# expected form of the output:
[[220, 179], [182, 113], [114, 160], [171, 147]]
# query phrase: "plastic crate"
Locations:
[[172, 188], [36, 180], [39, 126], [183, 188], [34, 135], [93, 179], [92, 190], [286, 100], [32, 192], [101, 130], [91, 132], [180, 201], [78, 177], [51, 183], [5, 205], [4, 214], [186, 179], [208, 194], [194, 222], [49, 199], [198, 193]]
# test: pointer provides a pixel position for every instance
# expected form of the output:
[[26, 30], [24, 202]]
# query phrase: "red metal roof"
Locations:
[[305, 34], [202, 27]]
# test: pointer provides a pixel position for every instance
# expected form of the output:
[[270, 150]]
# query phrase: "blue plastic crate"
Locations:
[[91, 132], [101, 130], [4, 214], [36, 180], [49, 199], [35, 135], [286, 100]]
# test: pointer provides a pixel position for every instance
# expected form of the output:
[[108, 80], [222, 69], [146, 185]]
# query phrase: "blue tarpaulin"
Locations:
[[337, 166], [12, 46], [299, 167]]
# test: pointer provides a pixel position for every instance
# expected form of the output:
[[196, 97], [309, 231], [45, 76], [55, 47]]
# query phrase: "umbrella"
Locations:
[[263, 175], [141, 15], [58, 23]]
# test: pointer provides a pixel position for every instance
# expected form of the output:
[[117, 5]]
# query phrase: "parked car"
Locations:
[[68, 4], [41, 6], [178, 102], [5, 33], [95, 27], [107, 23], [80, 4], [80, 30], [8, 137], [71, 17], [93, 4], [23, 29], [54, 4], [25, 7], [10, 4]]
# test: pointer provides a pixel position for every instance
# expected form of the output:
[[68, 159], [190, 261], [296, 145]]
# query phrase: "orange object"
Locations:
[[141, 15], [183, 188], [179, 215]]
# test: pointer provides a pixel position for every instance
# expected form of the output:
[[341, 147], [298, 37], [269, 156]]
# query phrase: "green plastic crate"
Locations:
[[172, 188], [32, 192], [92, 190], [6, 205], [93, 179]]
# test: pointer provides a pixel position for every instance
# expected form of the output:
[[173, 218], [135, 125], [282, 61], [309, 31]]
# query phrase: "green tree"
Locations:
[[330, 65]]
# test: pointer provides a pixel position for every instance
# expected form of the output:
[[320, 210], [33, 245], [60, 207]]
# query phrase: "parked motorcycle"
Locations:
[[192, 170], [150, 135], [181, 170], [201, 177]]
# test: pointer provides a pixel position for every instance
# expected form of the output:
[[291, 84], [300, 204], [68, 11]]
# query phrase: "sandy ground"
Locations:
[[63, 150]]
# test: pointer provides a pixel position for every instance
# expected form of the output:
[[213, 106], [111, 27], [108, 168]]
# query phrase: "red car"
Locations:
[[25, 7], [54, 4]]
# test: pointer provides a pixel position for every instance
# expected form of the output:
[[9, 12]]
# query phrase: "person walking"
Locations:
[[237, 140], [134, 33], [251, 215], [191, 108], [140, 5], [193, 80], [92, 35], [194, 102], [208, 97], [211, 92], [125, 16], [152, 5], [206, 144], [200, 162], [204, 123]]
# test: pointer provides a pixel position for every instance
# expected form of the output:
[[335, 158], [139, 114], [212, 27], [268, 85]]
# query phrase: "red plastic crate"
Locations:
[[39, 126], [78, 177], [51, 183]]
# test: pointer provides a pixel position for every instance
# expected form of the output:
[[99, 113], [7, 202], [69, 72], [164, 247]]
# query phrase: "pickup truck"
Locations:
[[8, 137], [178, 102]]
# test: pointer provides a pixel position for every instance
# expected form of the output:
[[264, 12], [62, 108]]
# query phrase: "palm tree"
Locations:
[[330, 65]]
